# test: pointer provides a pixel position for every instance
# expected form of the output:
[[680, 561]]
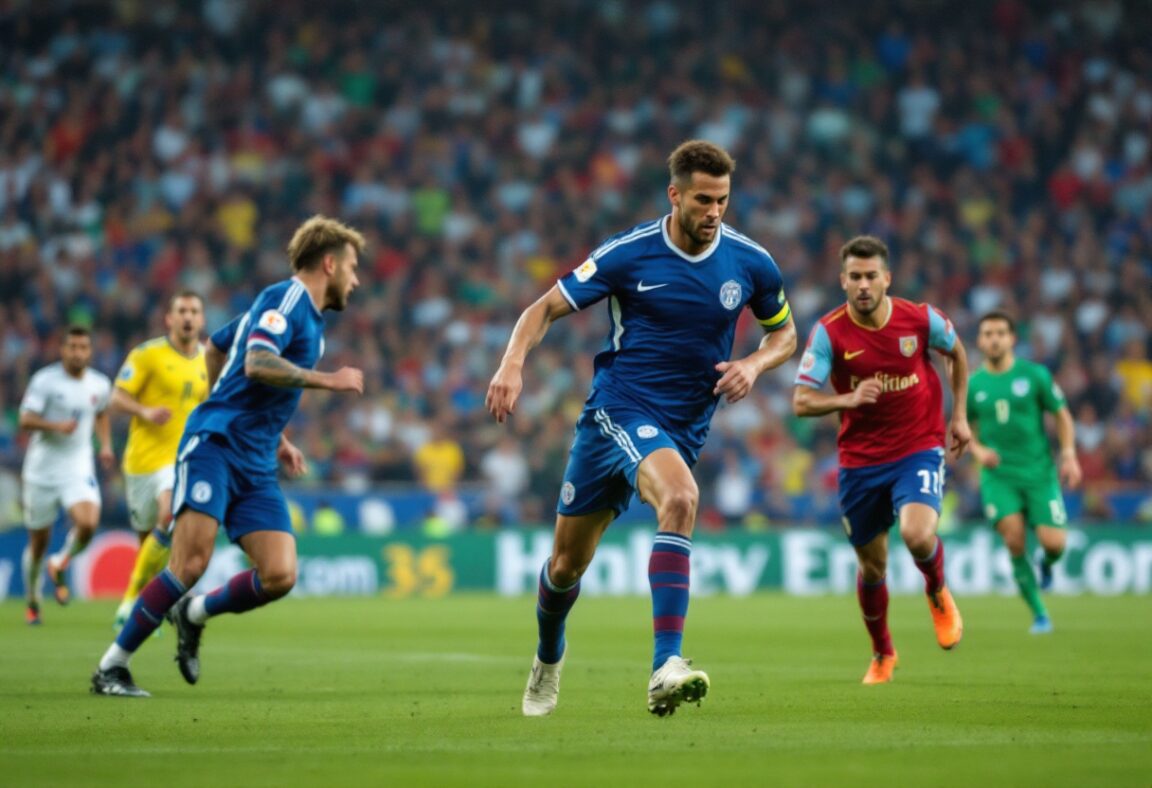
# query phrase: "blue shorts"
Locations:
[[211, 480], [605, 458], [871, 497]]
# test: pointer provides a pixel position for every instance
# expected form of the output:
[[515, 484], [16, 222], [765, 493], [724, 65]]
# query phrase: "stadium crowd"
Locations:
[[151, 146]]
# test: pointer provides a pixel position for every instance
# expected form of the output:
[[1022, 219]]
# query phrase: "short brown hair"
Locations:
[[864, 246], [997, 314], [320, 236], [77, 330], [699, 156], [181, 295]]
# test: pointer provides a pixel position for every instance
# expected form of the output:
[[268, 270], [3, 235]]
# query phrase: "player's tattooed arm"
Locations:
[[270, 369]]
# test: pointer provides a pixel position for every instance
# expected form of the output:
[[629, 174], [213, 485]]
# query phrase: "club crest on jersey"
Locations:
[[201, 492], [586, 270], [567, 493], [273, 322], [908, 345], [1020, 387], [730, 294], [646, 431]]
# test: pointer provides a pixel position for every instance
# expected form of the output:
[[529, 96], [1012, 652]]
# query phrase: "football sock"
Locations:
[[1051, 559], [932, 567], [1026, 582], [552, 606], [155, 600], [873, 599], [151, 558], [240, 594], [31, 571], [668, 574]]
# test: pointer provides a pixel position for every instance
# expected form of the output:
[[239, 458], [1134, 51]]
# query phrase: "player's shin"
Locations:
[[932, 567], [1029, 589], [30, 568], [243, 592], [155, 601], [150, 560], [668, 575], [873, 599], [552, 606]]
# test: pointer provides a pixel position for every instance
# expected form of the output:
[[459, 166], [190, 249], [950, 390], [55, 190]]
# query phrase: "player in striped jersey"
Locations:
[[675, 288]]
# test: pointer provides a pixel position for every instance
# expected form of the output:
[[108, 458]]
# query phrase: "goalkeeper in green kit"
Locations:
[[1007, 399]]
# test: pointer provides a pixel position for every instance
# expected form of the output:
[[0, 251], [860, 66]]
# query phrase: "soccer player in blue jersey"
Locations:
[[227, 460], [675, 288]]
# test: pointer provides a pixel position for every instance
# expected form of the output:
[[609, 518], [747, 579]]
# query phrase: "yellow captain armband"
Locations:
[[778, 319]]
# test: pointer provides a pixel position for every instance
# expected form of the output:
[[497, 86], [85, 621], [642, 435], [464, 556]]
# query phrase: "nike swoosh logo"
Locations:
[[642, 288], [849, 355]]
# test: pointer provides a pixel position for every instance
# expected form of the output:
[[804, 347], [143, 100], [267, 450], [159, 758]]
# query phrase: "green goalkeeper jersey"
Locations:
[[1008, 408]]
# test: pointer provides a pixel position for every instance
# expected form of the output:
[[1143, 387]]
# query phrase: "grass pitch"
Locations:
[[427, 692]]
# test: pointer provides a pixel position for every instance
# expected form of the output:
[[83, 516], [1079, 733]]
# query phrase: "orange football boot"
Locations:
[[946, 618], [880, 671]]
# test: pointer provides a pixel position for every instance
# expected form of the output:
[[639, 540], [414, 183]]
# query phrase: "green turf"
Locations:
[[427, 692]]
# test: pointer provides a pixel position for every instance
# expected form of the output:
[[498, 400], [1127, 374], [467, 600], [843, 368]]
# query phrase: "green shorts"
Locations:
[[1040, 501]]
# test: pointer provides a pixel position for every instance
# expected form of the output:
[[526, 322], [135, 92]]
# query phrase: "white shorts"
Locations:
[[43, 502], [142, 490]]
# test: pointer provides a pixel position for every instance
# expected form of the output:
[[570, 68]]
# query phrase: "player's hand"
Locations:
[[158, 415], [503, 392], [989, 458], [1070, 473], [736, 379], [291, 459], [866, 393], [347, 379], [961, 436], [67, 427], [107, 458]]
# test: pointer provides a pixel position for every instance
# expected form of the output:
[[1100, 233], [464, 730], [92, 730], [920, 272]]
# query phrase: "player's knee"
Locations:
[[189, 567], [873, 570], [278, 582], [563, 570], [679, 505]]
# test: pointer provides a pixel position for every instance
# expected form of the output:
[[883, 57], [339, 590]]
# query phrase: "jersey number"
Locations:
[[1003, 411], [931, 482]]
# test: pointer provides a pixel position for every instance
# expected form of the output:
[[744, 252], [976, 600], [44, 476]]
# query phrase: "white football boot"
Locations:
[[543, 688], [673, 683]]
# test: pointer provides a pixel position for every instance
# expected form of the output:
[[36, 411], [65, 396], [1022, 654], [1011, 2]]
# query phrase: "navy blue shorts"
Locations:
[[871, 497], [605, 457], [211, 480]]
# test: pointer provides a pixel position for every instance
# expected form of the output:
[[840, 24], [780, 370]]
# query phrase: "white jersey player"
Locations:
[[64, 406]]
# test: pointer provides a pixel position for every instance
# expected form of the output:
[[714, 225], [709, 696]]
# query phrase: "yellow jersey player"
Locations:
[[160, 383]]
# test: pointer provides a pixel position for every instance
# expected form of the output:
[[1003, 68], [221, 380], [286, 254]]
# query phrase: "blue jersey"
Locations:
[[250, 415], [673, 318]]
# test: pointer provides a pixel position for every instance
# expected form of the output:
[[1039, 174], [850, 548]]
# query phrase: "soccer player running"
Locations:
[[160, 383], [64, 405], [227, 459], [675, 288], [875, 348], [1007, 400]]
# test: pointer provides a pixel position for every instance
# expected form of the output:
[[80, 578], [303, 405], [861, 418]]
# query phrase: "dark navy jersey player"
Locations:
[[675, 288], [232, 445]]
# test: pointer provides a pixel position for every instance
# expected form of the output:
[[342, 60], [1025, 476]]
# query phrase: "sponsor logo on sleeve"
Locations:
[[201, 492], [807, 361], [273, 322], [567, 493], [126, 373], [647, 431], [586, 270]]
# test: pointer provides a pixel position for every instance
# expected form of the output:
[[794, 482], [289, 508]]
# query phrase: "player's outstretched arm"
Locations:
[[956, 363], [124, 402], [530, 329], [34, 421], [1070, 473], [737, 377], [807, 401], [270, 369]]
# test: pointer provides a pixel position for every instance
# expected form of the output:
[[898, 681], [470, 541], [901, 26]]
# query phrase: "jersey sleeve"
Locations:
[[768, 303], [223, 337], [589, 282], [105, 394], [36, 396], [816, 363], [134, 372], [1052, 397], [941, 332], [271, 330]]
